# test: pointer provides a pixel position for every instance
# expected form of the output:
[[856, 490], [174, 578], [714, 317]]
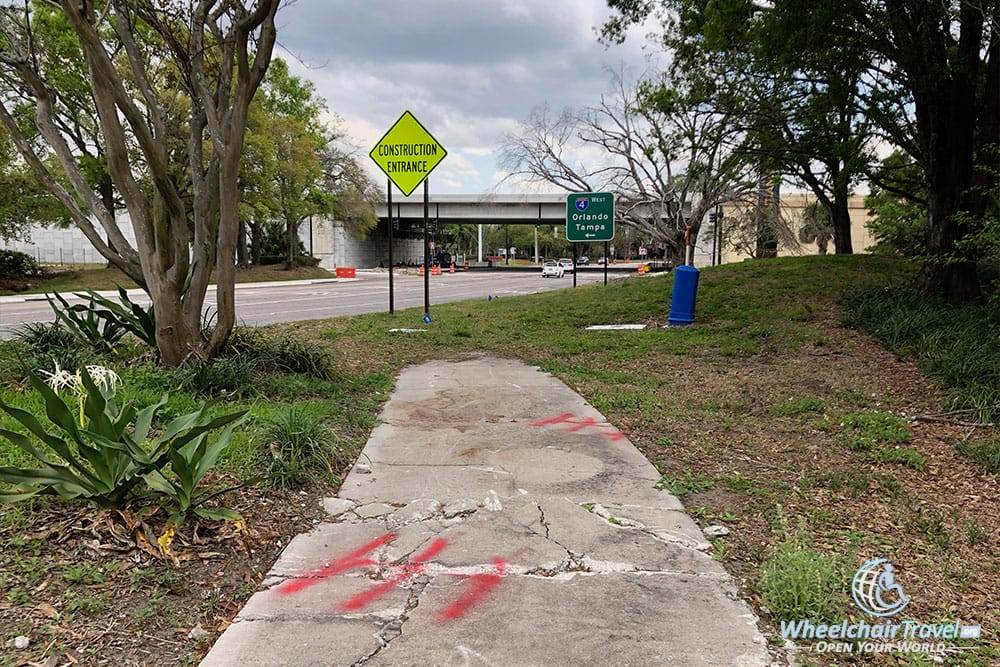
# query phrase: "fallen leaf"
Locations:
[[48, 610]]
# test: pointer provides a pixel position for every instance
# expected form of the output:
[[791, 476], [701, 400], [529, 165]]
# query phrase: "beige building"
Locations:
[[791, 209]]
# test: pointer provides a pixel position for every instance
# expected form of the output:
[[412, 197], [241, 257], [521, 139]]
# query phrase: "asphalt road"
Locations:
[[295, 301]]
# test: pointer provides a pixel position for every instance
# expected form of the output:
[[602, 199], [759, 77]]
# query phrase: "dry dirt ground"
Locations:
[[760, 444], [99, 597]]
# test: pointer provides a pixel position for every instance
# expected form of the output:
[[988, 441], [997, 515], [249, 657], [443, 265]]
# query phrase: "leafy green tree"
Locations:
[[295, 168], [795, 103], [162, 76], [928, 81], [897, 207], [23, 199]]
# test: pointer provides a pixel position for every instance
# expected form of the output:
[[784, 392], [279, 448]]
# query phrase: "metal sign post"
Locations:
[[427, 258], [607, 260], [407, 153], [388, 208]]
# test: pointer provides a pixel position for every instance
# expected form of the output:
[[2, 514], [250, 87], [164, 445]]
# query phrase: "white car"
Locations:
[[566, 264], [553, 269]]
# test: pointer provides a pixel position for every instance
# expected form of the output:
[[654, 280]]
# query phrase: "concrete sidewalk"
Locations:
[[495, 518]]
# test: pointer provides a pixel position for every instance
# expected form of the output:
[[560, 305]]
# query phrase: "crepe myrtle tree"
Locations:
[[170, 85], [668, 161]]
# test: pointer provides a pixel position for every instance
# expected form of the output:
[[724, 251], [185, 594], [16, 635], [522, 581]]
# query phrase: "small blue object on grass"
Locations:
[[427, 319], [683, 298]]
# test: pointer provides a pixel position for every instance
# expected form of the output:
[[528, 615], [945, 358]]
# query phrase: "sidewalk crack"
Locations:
[[394, 627], [545, 524]]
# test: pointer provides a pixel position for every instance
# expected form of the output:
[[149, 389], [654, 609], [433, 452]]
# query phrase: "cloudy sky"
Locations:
[[469, 70]]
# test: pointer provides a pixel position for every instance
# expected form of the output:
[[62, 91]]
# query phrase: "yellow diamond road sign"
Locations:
[[407, 153]]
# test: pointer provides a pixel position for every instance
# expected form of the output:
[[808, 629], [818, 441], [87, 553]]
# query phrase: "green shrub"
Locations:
[[956, 345], [298, 447], [286, 354], [44, 337], [43, 345], [14, 264], [232, 375], [86, 323]]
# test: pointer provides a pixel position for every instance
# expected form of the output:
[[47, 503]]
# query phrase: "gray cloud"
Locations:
[[468, 69]]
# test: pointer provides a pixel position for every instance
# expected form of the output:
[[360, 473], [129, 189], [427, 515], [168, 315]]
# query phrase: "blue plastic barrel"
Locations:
[[682, 300]]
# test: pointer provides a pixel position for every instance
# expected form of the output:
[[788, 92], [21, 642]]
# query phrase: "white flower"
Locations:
[[60, 378], [103, 377]]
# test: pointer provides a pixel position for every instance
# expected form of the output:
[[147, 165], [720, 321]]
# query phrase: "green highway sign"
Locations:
[[407, 153], [590, 216]]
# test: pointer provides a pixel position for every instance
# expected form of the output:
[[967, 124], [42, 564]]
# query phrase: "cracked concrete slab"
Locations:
[[403, 483], [295, 643], [616, 619], [495, 518]]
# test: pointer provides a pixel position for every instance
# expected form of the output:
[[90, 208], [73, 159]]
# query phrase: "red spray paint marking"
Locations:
[[408, 570], [352, 560], [578, 424], [479, 586]]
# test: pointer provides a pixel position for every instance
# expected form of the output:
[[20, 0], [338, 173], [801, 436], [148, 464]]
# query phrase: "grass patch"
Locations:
[[904, 455], [985, 452], [299, 446], [865, 431], [685, 485], [855, 481], [798, 406], [76, 278], [799, 582]]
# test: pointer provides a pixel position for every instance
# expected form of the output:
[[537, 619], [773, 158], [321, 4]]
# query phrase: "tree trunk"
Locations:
[[957, 282], [840, 217], [945, 83], [291, 244], [256, 243], [174, 337], [948, 138], [242, 257]]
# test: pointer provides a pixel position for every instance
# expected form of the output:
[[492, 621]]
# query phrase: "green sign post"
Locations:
[[590, 216]]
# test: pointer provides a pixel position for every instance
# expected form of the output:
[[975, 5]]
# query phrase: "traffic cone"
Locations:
[[452, 269], [421, 269]]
